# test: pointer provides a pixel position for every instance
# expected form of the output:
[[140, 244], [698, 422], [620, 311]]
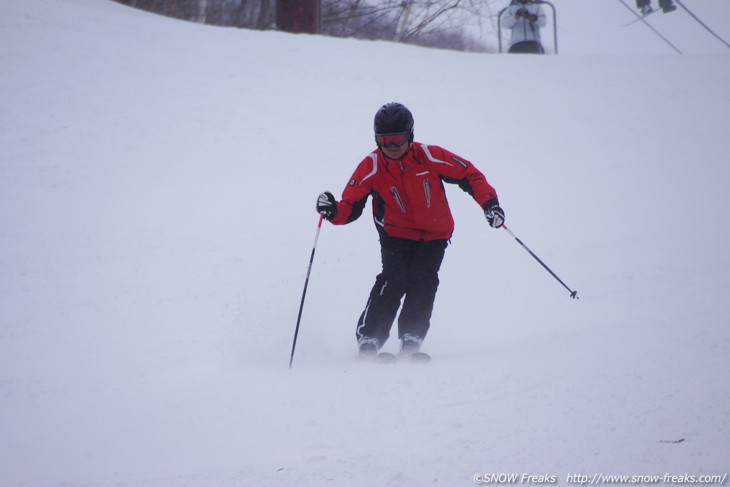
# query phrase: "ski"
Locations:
[[419, 358], [642, 17], [389, 358], [386, 358]]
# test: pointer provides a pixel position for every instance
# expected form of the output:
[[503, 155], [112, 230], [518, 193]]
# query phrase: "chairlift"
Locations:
[[541, 2]]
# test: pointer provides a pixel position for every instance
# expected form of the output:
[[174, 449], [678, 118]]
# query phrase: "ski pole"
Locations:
[[573, 294], [304, 293]]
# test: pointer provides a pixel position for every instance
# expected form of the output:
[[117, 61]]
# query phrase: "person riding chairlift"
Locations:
[[525, 18]]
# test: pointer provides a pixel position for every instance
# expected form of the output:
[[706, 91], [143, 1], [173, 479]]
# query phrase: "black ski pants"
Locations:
[[410, 269]]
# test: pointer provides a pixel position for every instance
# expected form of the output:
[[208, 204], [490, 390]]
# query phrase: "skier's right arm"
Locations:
[[356, 193], [509, 18], [327, 205]]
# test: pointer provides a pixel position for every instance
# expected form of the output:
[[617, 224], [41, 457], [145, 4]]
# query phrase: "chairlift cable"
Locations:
[[702, 23], [650, 26]]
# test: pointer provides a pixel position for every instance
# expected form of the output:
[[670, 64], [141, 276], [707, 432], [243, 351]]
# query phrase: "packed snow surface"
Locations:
[[157, 190]]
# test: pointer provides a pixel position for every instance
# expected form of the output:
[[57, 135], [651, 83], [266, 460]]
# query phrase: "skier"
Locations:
[[414, 223], [525, 18], [645, 6]]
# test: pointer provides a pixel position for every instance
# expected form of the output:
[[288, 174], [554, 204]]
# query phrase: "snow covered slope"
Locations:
[[157, 189]]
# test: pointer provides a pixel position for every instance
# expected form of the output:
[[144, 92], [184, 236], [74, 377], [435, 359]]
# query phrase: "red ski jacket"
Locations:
[[409, 200]]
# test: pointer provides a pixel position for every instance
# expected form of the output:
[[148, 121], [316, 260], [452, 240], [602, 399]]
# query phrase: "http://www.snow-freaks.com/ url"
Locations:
[[600, 479]]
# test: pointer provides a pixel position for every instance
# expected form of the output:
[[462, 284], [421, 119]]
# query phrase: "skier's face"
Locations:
[[396, 153]]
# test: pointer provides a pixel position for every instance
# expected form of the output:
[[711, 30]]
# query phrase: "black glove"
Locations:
[[532, 18], [327, 204], [495, 216], [521, 13]]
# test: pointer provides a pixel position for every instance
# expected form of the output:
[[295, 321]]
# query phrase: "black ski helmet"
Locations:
[[393, 118]]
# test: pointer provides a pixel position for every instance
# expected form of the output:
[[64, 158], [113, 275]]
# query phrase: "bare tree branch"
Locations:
[[453, 24]]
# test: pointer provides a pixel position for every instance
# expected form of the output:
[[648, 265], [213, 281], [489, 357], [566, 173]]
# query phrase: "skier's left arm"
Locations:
[[541, 17], [457, 170]]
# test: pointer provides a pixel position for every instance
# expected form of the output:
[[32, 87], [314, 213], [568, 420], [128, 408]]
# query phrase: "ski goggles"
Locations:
[[392, 140]]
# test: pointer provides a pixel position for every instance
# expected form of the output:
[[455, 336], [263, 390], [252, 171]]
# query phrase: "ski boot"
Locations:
[[410, 348], [410, 344], [367, 347]]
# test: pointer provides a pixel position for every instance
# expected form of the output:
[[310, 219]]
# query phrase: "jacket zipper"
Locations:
[[427, 189], [397, 198]]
